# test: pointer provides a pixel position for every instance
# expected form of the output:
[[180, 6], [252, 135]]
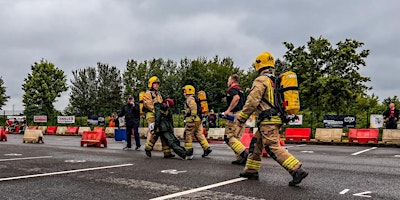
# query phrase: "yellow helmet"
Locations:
[[189, 89], [264, 60], [152, 80]]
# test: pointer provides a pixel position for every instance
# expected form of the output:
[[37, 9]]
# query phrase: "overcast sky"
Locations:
[[75, 34]]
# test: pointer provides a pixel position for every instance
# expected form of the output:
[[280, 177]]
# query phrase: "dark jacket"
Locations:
[[131, 113]]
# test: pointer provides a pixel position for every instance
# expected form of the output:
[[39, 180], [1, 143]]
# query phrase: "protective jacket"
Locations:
[[262, 88], [191, 110], [150, 97]]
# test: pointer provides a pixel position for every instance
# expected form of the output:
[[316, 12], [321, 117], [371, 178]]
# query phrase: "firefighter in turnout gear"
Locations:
[[235, 99], [193, 124], [151, 97], [164, 123], [268, 124]]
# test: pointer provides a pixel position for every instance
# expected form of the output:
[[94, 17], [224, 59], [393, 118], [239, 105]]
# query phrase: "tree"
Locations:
[[3, 97], [109, 93], [45, 83], [83, 96], [328, 77]]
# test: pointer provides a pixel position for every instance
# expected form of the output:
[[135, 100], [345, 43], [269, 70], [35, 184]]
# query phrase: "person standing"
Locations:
[[391, 116], [132, 117], [269, 123], [151, 97], [235, 99], [212, 119], [193, 124]]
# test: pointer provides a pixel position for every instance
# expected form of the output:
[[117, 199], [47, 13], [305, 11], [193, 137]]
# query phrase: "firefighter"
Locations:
[[268, 124], [193, 124], [164, 123], [151, 97], [235, 99]]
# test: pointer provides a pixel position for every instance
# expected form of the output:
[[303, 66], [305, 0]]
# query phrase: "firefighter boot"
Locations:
[[148, 153], [189, 154], [206, 152], [250, 176], [298, 176], [242, 160]]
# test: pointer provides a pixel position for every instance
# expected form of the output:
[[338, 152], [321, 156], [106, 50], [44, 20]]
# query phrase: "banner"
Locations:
[[298, 121], [18, 118], [376, 121], [340, 121], [40, 118], [66, 119]]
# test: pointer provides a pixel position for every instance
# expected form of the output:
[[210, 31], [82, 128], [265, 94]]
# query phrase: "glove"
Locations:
[[151, 126]]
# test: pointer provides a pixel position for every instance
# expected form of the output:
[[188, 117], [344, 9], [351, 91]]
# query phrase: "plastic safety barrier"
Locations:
[[34, 136], [33, 127], [391, 136], [93, 138], [120, 134], [246, 139], [298, 134], [143, 132], [51, 130], [82, 129], [363, 135], [110, 131], [98, 129], [61, 130], [216, 133], [328, 134], [43, 129], [3, 136], [73, 130]]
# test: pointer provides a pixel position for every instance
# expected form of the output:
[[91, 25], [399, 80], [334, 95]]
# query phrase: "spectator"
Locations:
[[116, 120], [111, 122], [391, 116], [132, 117], [212, 119]]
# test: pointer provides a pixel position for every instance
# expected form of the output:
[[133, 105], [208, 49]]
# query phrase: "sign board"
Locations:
[[40, 118], [66, 119], [298, 121], [18, 118], [340, 121], [376, 121]]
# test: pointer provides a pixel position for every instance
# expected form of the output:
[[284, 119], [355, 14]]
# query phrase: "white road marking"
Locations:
[[75, 161], [301, 145], [360, 152], [13, 154], [27, 158], [172, 171], [344, 191], [63, 172], [307, 151], [363, 194], [199, 189], [397, 156]]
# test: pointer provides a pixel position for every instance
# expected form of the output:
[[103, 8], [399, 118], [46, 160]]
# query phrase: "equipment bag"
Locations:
[[201, 95], [289, 91]]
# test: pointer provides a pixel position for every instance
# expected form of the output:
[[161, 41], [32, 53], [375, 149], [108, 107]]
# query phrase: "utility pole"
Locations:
[[13, 109]]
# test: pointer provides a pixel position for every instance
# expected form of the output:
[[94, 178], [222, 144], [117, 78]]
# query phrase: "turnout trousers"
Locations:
[[233, 134], [152, 138], [196, 129]]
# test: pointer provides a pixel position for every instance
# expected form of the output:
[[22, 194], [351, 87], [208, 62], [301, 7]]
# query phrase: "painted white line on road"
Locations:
[[26, 158], [397, 156], [360, 152], [307, 151], [301, 145], [199, 189], [13, 154], [344, 191], [63, 172], [363, 194]]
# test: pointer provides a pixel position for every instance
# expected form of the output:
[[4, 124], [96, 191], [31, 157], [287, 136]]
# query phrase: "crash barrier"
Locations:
[[33, 135], [328, 134], [94, 138], [61, 130], [110, 131], [298, 134], [15, 130], [99, 129], [120, 134], [82, 129], [143, 132], [391, 136], [363, 135], [179, 133], [43, 129], [51, 130], [216, 133], [3, 136], [72, 130]]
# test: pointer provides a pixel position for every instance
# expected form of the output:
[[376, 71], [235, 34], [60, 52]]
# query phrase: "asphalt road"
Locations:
[[61, 169]]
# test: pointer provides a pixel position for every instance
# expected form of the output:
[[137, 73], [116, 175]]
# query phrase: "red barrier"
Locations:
[[247, 130], [298, 134], [51, 130], [33, 127], [3, 136], [93, 138], [98, 129], [363, 135], [72, 130]]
